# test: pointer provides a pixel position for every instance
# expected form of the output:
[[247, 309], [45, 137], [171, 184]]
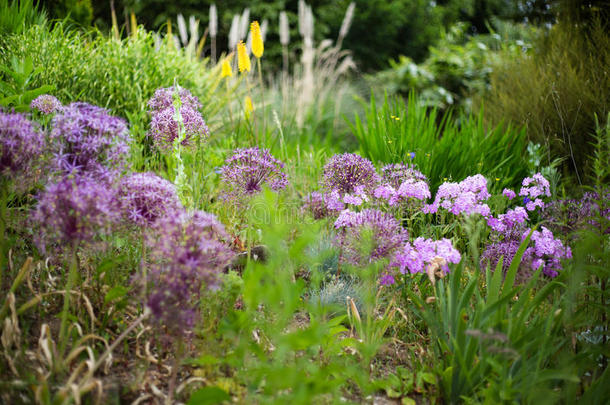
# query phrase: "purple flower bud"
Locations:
[[46, 104]]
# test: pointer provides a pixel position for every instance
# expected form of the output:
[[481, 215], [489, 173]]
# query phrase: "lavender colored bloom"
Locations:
[[188, 252], [544, 250], [90, 142], [464, 197], [398, 173], [164, 98], [414, 258], [46, 104], [565, 217], [535, 186], [386, 233], [315, 204], [334, 202], [21, 142], [509, 220], [164, 128], [411, 191], [345, 172], [387, 279], [145, 198], [508, 193], [75, 210], [247, 170]]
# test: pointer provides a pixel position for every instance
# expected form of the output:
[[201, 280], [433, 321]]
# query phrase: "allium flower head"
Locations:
[[46, 104], [315, 204], [145, 198], [75, 210], [90, 142], [21, 142], [345, 172], [386, 233], [164, 128], [186, 253], [247, 170], [164, 98]]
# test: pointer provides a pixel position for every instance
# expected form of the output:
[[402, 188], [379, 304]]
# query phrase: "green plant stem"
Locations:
[[72, 272], [3, 226], [260, 78], [172, 380]]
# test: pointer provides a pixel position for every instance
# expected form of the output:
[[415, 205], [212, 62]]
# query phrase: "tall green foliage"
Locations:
[[444, 149]]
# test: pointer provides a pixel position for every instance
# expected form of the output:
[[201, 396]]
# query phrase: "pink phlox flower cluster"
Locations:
[[465, 197], [413, 258], [546, 251], [533, 188], [508, 193], [409, 190], [509, 220], [356, 198]]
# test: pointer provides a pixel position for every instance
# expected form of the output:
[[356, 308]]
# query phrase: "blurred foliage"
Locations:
[[76, 11], [556, 91], [15, 16], [457, 67], [444, 149]]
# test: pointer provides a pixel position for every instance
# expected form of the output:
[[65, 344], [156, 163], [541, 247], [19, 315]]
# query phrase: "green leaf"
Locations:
[[208, 395], [115, 293]]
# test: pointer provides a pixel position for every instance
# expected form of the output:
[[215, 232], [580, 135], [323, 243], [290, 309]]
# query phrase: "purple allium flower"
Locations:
[[386, 279], [46, 104], [164, 128], [75, 210], [413, 258], [347, 171], [164, 98], [508, 193], [464, 197], [90, 142], [187, 252], [247, 170], [21, 142], [386, 233], [145, 198], [398, 173], [535, 186], [315, 204]]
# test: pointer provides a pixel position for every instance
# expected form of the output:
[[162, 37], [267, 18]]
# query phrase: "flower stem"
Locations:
[[260, 78], [72, 272]]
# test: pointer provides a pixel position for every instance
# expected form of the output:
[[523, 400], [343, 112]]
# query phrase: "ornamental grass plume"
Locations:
[[344, 172], [46, 104], [146, 198], [257, 40], [247, 170], [386, 235], [75, 210], [243, 60], [187, 253], [90, 142], [21, 142]]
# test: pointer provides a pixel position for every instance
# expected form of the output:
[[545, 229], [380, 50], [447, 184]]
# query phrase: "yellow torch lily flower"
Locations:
[[249, 107], [257, 39], [243, 60], [226, 68]]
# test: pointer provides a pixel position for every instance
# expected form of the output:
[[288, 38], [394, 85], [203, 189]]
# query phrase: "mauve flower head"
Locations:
[[21, 142], [46, 104], [508, 193], [386, 233], [509, 220], [345, 172], [411, 191], [546, 251], [90, 142], [145, 198], [535, 186], [413, 258], [247, 170], [164, 98], [164, 128], [315, 204], [465, 197], [397, 173], [75, 210], [187, 252]]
